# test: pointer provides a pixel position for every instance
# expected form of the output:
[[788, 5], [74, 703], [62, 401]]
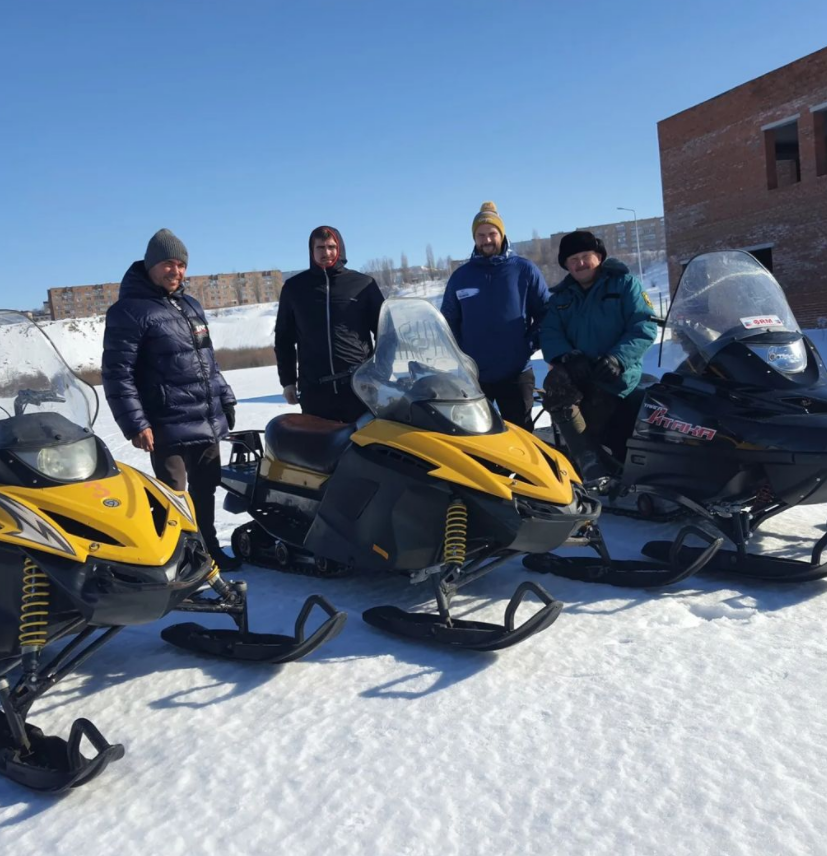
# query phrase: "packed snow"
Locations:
[[687, 720], [683, 721]]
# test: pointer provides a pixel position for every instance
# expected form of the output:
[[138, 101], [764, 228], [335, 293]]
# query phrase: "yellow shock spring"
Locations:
[[456, 532], [34, 609]]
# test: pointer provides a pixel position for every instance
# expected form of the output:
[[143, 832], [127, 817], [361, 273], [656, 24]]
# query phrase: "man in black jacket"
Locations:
[[328, 314], [162, 383]]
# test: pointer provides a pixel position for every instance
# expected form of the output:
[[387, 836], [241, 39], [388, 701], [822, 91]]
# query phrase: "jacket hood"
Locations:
[[505, 253], [136, 283], [615, 266], [340, 262]]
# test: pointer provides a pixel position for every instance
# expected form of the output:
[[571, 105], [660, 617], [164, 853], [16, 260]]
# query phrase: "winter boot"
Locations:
[[591, 460], [224, 561]]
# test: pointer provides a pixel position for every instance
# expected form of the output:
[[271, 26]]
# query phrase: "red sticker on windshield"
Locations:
[[762, 321]]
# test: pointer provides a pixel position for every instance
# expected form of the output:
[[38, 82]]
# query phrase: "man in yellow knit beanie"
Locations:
[[494, 304]]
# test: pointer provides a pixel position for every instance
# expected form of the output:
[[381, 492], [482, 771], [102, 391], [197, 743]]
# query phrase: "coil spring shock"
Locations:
[[456, 532], [34, 608]]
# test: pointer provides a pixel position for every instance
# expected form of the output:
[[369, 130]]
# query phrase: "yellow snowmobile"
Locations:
[[88, 546], [430, 484]]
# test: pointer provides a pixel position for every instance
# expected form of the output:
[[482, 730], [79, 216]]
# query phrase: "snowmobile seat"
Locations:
[[306, 441]]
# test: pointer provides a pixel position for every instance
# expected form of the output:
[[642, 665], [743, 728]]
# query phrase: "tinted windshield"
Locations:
[[35, 378], [721, 298], [416, 359]]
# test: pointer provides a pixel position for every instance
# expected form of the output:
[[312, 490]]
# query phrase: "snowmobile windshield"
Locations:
[[722, 298], [417, 359], [35, 379]]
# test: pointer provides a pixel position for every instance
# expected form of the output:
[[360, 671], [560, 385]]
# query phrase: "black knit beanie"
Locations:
[[164, 245], [580, 241]]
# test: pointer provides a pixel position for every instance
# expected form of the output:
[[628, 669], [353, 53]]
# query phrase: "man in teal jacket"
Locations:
[[597, 329]]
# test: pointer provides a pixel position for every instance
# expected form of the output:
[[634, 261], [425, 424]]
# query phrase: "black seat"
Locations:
[[307, 441]]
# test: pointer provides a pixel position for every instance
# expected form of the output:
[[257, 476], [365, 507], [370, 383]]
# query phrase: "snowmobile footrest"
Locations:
[[259, 647], [728, 563], [55, 765], [474, 635]]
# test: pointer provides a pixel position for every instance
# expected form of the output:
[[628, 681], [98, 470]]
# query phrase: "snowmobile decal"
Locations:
[[32, 527], [755, 321], [662, 419]]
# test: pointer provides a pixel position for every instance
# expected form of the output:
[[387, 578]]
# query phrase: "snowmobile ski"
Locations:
[[241, 644], [629, 573], [747, 565], [473, 635], [51, 764]]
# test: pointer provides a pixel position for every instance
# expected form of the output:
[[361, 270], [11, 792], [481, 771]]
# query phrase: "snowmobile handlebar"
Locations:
[[25, 397]]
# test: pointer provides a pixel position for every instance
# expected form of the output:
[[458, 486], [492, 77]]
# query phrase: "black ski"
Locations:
[[473, 635]]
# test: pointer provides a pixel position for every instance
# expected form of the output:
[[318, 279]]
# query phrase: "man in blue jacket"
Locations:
[[494, 304], [597, 329], [162, 382]]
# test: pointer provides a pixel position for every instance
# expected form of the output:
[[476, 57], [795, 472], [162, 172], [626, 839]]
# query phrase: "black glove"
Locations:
[[578, 366], [229, 412], [607, 368]]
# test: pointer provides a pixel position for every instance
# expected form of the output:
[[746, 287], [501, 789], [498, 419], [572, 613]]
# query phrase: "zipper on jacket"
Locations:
[[175, 305], [329, 331]]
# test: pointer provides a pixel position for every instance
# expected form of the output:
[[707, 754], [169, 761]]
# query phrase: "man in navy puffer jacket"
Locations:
[[494, 304], [162, 382]]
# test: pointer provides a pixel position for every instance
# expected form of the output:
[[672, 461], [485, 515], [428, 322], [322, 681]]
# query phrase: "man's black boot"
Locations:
[[224, 561]]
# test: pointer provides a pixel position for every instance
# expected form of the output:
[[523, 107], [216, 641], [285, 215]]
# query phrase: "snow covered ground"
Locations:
[[681, 721]]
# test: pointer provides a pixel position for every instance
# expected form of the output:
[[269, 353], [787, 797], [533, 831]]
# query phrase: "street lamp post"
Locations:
[[637, 241]]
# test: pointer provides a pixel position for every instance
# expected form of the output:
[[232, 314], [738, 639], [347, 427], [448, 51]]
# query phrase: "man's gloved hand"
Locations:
[[578, 366], [289, 393], [607, 368], [229, 412]]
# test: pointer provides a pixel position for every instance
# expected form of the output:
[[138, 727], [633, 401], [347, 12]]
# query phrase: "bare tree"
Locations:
[[382, 271], [404, 269], [429, 261]]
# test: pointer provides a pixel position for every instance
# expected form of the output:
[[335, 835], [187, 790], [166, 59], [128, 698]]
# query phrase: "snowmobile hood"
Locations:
[[340, 262], [512, 463], [129, 518]]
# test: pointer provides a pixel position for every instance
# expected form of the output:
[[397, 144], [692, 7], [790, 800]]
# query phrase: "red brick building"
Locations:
[[748, 170], [212, 292]]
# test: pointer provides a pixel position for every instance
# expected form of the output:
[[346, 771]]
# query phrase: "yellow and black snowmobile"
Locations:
[[88, 546], [431, 484]]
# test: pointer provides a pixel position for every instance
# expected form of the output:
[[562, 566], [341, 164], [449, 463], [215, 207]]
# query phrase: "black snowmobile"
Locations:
[[88, 546], [734, 432], [431, 484]]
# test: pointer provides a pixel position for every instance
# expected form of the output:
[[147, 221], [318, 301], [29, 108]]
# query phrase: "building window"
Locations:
[[820, 135], [783, 157]]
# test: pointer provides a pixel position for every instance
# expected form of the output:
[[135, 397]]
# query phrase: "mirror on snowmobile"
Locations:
[[727, 297], [418, 374]]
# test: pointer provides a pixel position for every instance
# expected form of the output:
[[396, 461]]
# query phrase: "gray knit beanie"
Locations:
[[164, 245]]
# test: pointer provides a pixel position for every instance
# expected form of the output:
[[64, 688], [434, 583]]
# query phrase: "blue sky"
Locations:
[[243, 125]]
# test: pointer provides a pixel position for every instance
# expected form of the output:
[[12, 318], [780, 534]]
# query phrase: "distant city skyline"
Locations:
[[243, 128]]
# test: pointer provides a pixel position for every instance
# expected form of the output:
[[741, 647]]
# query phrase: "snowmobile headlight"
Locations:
[[73, 462], [471, 416], [788, 358]]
